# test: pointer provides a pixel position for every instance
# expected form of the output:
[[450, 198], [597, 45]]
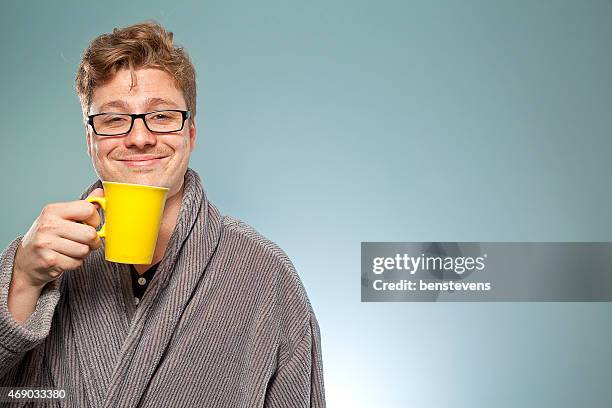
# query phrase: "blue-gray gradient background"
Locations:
[[328, 123]]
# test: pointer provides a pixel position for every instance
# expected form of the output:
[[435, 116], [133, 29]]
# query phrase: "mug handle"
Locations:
[[102, 202]]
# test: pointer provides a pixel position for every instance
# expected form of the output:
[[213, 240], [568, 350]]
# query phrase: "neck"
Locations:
[[168, 222]]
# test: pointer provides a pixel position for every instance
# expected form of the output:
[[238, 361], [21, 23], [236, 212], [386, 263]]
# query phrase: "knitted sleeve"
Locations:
[[298, 382], [18, 342]]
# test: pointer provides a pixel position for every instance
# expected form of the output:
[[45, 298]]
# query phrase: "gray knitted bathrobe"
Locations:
[[225, 322]]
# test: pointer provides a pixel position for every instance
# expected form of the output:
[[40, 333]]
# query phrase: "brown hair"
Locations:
[[142, 45]]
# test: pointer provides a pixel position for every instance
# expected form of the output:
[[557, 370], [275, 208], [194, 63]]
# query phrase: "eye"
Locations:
[[113, 118]]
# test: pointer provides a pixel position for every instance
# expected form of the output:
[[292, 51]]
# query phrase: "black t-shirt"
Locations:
[[140, 282]]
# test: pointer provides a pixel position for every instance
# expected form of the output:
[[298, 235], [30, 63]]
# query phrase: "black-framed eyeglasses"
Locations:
[[115, 124]]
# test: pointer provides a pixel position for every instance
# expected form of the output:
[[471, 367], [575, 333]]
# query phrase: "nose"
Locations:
[[139, 136]]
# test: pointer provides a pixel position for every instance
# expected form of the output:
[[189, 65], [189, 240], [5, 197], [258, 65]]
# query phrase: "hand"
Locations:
[[60, 239]]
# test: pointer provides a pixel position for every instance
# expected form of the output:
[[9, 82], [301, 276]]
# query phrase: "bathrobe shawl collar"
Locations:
[[121, 351]]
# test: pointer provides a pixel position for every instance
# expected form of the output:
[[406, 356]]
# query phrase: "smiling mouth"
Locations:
[[141, 161]]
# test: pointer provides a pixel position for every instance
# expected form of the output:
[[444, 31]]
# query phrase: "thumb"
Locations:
[[98, 192], [94, 220]]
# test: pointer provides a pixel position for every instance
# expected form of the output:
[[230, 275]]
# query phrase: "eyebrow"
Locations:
[[149, 102]]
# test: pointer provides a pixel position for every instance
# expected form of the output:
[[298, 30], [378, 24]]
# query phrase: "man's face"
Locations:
[[141, 157]]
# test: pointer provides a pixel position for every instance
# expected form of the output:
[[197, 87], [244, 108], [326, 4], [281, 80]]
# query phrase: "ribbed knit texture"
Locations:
[[225, 322]]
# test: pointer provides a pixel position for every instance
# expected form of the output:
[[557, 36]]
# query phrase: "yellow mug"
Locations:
[[132, 217]]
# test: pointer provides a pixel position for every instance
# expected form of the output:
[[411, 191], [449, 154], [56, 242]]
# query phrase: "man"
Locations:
[[219, 319]]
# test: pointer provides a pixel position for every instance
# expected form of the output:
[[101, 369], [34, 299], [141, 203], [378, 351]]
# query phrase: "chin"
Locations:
[[147, 177]]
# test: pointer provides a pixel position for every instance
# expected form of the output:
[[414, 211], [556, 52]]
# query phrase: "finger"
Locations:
[[97, 243], [74, 231], [71, 249], [66, 263], [94, 220], [79, 210]]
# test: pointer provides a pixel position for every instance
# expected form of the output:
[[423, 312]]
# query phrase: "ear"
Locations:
[[88, 137], [192, 134]]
